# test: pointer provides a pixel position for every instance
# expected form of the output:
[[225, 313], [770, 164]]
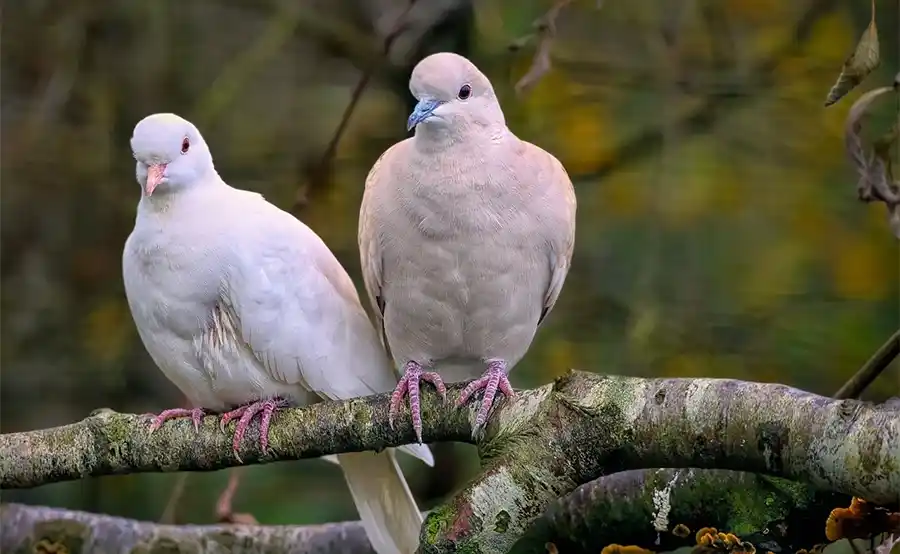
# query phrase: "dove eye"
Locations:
[[185, 145], [465, 91]]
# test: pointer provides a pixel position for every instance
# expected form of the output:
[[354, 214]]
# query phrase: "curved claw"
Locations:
[[493, 380], [413, 375], [245, 414], [156, 421]]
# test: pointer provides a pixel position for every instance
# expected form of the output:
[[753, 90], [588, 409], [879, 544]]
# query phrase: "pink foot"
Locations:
[[492, 380], [195, 414], [246, 413], [409, 383]]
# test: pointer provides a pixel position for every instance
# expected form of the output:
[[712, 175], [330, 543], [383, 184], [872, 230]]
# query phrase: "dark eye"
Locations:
[[465, 91], [185, 145]]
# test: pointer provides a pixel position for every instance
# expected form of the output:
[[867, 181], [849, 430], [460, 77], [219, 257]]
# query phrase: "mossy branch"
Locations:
[[586, 425], [538, 447], [27, 528], [662, 509], [628, 507]]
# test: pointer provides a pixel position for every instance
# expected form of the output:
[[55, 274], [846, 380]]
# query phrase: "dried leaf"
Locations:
[[874, 169], [856, 150], [863, 61], [882, 148]]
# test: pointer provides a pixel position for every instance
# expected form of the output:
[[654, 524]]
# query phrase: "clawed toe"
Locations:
[[413, 375], [245, 414], [493, 380], [156, 420]]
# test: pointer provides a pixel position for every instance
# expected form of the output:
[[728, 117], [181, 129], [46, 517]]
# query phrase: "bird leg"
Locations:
[[246, 412], [492, 380], [414, 373], [196, 415]]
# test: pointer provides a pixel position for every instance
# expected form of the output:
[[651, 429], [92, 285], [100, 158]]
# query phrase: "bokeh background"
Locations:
[[718, 228]]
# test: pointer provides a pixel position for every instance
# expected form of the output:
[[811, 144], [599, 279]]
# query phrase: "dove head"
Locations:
[[454, 96], [170, 153]]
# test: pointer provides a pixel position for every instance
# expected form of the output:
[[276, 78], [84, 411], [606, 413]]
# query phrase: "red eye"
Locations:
[[185, 145]]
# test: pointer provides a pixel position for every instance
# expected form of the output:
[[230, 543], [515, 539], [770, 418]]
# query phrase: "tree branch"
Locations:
[[616, 508], [870, 371], [587, 425], [537, 448], [27, 527], [643, 508], [320, 174]]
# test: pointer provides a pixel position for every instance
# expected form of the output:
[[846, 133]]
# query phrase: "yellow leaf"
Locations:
[[106, 331], [858, 269], [623, 194], [689, 365], [582, 134], [773, 277], [559, 357], [863, 61]]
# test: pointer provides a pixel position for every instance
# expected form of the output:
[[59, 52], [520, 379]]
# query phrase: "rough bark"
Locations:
[[626, 508], [537, 448], [586, 425], [642, 508], [24, 528]]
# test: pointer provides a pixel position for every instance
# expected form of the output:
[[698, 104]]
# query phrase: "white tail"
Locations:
[[386, 506]]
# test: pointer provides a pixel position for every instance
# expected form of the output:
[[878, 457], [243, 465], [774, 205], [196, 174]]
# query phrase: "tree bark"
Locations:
[[25, 527], [639, 507], [643, 507], [537, 448]]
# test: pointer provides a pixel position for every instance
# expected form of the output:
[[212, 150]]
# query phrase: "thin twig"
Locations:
[[546, 31], [324, 164], [871, 369], [168, 515]]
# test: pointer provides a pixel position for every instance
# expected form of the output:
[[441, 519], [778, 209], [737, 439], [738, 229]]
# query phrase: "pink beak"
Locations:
[[155, 174]]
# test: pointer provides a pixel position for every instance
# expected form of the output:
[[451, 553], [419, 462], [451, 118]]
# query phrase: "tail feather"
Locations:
[[386, 506], [420, 452]]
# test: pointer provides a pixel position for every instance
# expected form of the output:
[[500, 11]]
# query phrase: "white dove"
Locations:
[[245, 309], [466, 235]]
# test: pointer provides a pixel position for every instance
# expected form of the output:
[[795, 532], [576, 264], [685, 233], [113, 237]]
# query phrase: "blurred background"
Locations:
[[718, 228]]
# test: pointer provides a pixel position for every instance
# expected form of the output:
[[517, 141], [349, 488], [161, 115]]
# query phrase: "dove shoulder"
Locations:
[[556, 217], [376, 200], [300, 313]]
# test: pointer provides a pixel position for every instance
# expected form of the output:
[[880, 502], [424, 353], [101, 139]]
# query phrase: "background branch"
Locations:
[[714, 107], [870, 371], [319, 178], [27, 528], [616, 508], [643, 507]]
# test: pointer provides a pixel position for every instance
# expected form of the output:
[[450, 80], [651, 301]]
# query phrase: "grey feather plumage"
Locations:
[[466, 232]]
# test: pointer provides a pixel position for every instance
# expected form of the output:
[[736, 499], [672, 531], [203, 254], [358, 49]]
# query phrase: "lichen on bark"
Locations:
[[584, 426], [538, 446]]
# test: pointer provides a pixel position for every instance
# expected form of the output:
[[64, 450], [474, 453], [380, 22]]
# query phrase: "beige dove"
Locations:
[[466, 235], [245, 309]]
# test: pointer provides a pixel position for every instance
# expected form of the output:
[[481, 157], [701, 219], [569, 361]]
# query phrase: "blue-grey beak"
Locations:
[[422, 112]]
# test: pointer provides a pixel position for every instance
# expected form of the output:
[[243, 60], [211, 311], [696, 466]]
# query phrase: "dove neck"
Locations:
[[430, 138], [165, 196]]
